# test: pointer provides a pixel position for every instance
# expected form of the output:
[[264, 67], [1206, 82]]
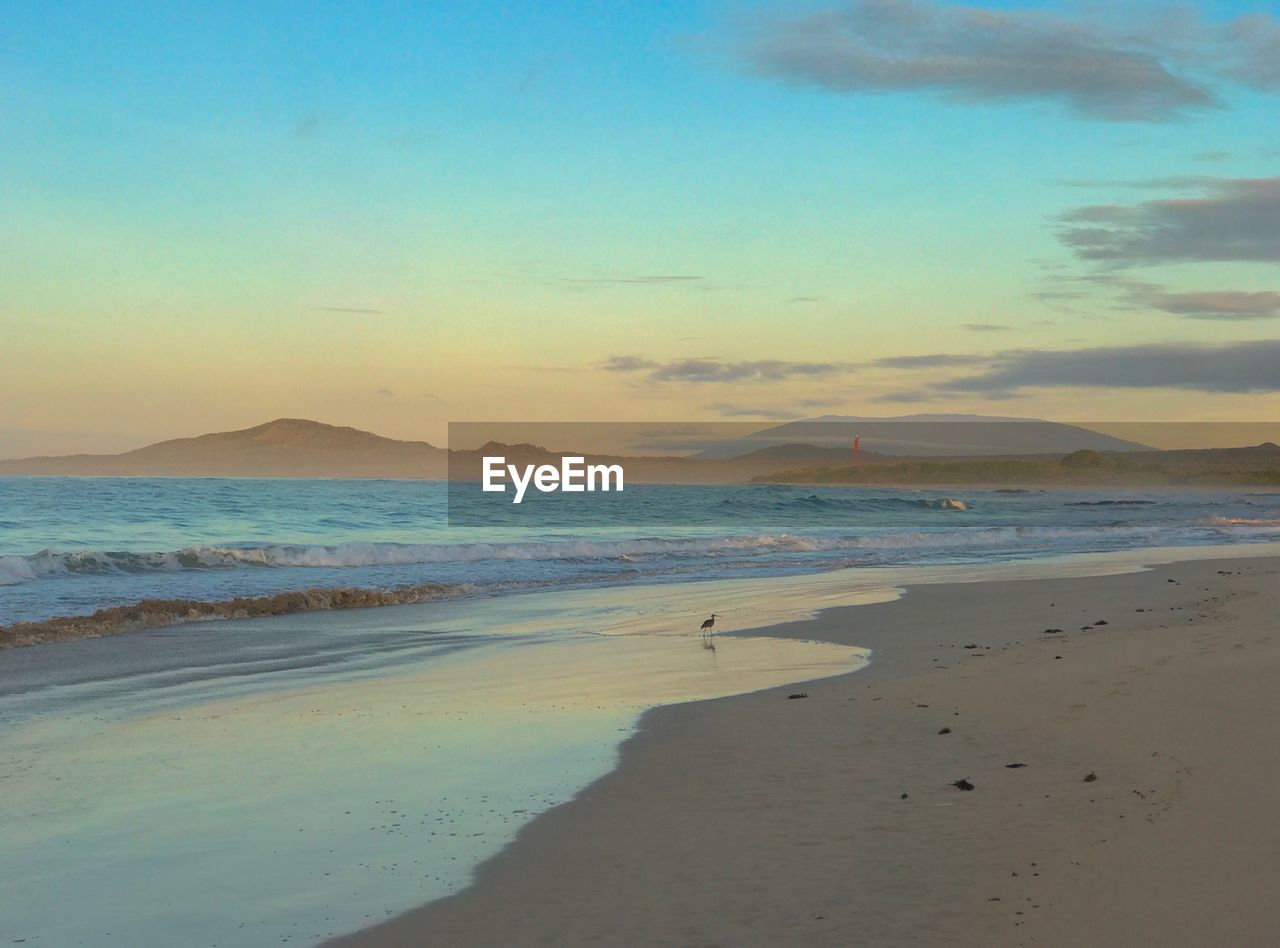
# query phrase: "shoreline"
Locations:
[[761, 820], [153, 614]]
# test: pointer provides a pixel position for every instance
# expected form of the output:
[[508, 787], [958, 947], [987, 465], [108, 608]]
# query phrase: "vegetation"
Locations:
[[1246, 467]]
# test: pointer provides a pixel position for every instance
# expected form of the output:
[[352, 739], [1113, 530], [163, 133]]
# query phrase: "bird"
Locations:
[[709, 624]]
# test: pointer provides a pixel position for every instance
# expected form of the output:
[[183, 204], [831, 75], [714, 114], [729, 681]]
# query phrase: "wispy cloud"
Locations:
[[910, 397], [649, 279], [1240, 367], [731, 410], [1230, 219], [986, 327], [762, 370], [1130, 294], [1158, 69], [1172, 182], [1211, 304], [933, 360], [719, 370], [627, 363], [349, 309], [307, 126]]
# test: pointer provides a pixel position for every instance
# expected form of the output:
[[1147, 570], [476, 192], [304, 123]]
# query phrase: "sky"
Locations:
[[394, 215]]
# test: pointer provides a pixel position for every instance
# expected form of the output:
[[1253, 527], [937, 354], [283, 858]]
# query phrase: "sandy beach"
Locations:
[[1140, 812]]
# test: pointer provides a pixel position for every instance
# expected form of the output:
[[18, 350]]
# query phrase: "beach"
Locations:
[[826, 813]]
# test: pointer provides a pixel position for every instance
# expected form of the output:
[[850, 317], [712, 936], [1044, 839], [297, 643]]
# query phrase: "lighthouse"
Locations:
[[856, 440]]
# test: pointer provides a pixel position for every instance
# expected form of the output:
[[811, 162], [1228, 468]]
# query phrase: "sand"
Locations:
[[831, 820]]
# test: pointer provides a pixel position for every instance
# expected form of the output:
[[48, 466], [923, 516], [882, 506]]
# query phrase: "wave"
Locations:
[[50, 564], [1241, 522], [774, 502], [53, 564], [154, 613], [1112, 503]]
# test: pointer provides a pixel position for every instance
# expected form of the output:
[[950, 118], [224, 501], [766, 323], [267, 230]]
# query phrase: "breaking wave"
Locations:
[[1241, 522], [154, 613], [780, 502], [52, 564]]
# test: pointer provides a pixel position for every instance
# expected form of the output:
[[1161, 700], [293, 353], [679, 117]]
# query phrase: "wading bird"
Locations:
[[708, 635]]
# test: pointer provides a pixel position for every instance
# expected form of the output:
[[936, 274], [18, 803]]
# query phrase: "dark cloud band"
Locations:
[[1154, 71], [1229, 219], [1241, 367]]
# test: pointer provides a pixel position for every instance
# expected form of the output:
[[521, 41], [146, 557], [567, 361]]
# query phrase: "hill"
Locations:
[[286, 447], [936, 435], [1253, 467]]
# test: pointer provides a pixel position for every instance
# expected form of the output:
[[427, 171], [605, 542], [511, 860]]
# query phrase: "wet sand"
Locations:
[[832, 819]]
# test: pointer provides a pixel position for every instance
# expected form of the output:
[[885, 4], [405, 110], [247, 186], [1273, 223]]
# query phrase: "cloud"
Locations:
[[307, 126], [348, 309], [1191, 304], [1095, 69], [1239, 367], [986, 327], [910, 396], [1165, 183], [1258, 42], [719, 370], [730, 410], [628, 363], [762, 370], [652, 279], [1212, 304], [1231, 219], [931, 361]]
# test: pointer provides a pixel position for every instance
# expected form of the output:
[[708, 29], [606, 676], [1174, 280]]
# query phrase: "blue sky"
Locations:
[[218, 213]]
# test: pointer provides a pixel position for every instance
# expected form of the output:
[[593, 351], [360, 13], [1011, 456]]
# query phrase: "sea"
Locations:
[[282, 779], [70, 546]]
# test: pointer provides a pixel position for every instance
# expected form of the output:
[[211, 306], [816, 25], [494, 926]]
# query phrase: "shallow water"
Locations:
[[279, 781]]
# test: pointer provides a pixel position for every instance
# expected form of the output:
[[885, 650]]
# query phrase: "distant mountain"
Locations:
[[937, 435], [293, 447], [801, 452], [286, 447]]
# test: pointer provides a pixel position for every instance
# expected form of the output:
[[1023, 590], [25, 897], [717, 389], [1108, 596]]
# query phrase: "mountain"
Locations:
[[294, 447], [937, 435], [803, 452], [286, 447]]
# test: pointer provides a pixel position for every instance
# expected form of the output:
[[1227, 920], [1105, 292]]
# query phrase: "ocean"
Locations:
[[70, 546], [279, 780]]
